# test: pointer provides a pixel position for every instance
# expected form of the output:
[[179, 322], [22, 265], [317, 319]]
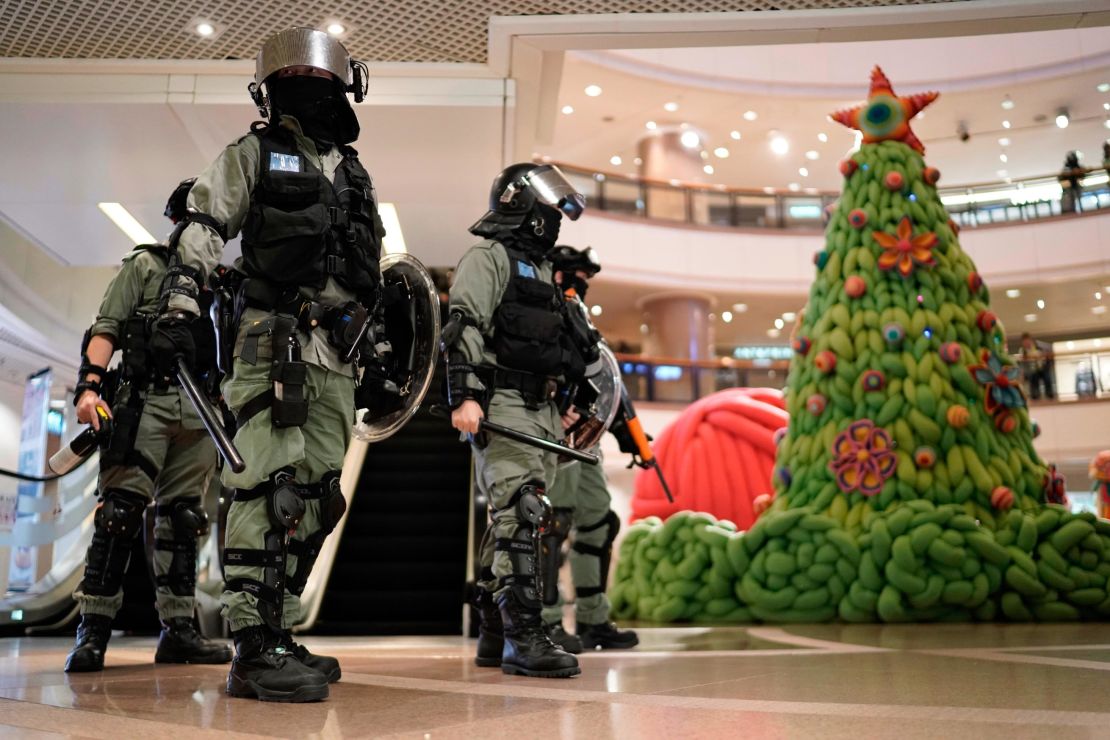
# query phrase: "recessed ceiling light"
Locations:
[[739, 307], [750, 115], [1003, 158], [1106, 123], [1063, 118], [1030, 317], [650, 125], [721, 152], [670, 107], [768, 189], [1040, 303], [789, 316], [822, 137], [644, 328], [1098, 295], [1069, 344], [779, 323], [1106, 106], [1013, 293], [1007, 104], [127, 223], [803, 172], [704, 154], [794, 187], [592, 90], [1004, 141], [568, 109], [773, 333], [780, 145], [1098, 309], [726, 316], [708, 169], [1103, 87], [690, 139], [1005, 124], [615, 159], [204, 28], [637, 161], [1097, 342], [813, 154], [336, 29], [595, 309]]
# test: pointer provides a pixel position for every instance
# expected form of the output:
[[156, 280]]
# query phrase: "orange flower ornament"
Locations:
[[903, 251]]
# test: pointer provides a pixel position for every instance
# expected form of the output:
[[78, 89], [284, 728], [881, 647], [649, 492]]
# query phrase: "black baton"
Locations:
[[528, 439], [208, 417]]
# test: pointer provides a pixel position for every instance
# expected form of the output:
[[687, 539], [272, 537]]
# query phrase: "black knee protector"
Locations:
[[190, 522], [551, 552], [604, 552], [118, 521], [332, 508], [534, 513]]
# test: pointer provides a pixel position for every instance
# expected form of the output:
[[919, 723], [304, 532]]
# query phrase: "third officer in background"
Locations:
[[509, 357], [580, 500], [305, 305]]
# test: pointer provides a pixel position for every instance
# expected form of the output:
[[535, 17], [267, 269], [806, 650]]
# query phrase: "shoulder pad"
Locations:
[[158, 250]]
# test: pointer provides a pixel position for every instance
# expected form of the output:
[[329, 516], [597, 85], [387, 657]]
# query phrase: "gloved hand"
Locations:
[[170, 339]]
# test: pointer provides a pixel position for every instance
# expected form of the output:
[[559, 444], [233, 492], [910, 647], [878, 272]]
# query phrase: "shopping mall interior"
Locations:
[[851, 415]]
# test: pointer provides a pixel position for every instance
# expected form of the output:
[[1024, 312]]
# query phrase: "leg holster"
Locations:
[[332, 508], [551, 552], [604, 552], [190, 522], [117, 523], [285, 507], [285, 399], [534, 513]]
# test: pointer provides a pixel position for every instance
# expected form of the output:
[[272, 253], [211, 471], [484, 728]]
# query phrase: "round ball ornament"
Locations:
[[1002, 498], [974, 282], [1036, 428], [894, 180], [761, 503], [931, 175], [986, 320], [825, 362], [950, 352], [894, 333], [848, 167], [855, 286], [958, 416], [821, 259], [801, 345], [816, 404], [925, 457], [857, 218], [872, 380], [1005, 422]]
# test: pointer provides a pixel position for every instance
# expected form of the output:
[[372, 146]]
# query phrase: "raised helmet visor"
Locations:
[[307, 47]]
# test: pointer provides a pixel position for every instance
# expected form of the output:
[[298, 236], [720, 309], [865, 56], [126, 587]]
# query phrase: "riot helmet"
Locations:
[[306, 74], [569, 261], [176, 206], [530, 200]]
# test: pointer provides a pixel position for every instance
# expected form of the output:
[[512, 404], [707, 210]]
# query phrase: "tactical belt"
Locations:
[[310, 314], [535, 389]]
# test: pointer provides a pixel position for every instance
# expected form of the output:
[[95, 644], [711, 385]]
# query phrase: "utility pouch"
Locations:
[[348, 327], [135, 364], [125, 430], [288, 374]]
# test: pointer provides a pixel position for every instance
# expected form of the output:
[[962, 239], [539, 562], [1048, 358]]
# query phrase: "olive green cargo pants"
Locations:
[[172, 438]]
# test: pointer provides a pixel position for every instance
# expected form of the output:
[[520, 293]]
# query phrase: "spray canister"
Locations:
[[81, 446]]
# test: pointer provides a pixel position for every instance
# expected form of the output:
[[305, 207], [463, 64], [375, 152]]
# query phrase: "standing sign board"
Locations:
[[32, 461]]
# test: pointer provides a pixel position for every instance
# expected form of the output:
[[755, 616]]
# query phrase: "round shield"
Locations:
[[605, 375], [412, 317]]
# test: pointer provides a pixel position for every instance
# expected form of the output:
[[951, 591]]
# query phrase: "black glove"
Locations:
[[170, 339]]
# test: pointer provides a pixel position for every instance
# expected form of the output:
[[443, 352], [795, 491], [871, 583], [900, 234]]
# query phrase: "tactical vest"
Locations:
[[302, 228], [528, 324]]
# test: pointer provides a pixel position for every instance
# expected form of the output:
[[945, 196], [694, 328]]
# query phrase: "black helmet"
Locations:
[[519, 189], [175, 206], [570, 260]]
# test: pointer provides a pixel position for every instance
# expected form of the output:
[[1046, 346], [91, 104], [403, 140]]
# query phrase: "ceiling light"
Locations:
[[739, 307], [644, 328], [773, 333], [1098, 309], [750, 115], [780, 145], [1062, 118], [1069, 344], [650, 125], [127, 223], [1103, 87], [1030, 317], [1005, 124], [1040, 303], [1003, 158], [1002, 173], [1098, 295], [1004, 141], [690, 139], [726, 316], [1106, 123], [670, 107], [1106, 106], [704, 154], [789, 316], [708, 169], [1007, 104], [822, 137], [721, 152], [1097, 342], [768, 189], [779, 323], [615, 160], [803, 172], [735, 135], [568, 109], [637, 161], [1013, 293], [794, 187], [336, 29], [592, 90], [205, 29], [595, 309], [813, 154]]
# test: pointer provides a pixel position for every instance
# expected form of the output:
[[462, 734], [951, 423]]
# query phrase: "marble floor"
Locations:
[[824, 681]]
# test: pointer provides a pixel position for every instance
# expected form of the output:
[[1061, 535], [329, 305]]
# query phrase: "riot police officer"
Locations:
[[158, 450], [580, 501], [304, 307], [509, 357]]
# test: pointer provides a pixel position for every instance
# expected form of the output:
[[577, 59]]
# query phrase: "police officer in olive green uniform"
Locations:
[[306, 299], [159, 451], [580, 501], [509, 353]]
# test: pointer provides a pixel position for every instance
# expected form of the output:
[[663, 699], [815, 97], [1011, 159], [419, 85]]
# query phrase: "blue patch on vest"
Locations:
[[525, 270], [284, 162]]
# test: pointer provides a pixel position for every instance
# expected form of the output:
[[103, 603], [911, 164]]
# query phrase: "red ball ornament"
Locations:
[[848, 167], [855, 286], [986, 320], [816, 404], [857, 218], [1005, 422], [802, 345], [924, 457], [958, 416], [872, 380], [825, 361], [950, 352], [974, 282], [1002, 498], [931, 175], [894, 180]]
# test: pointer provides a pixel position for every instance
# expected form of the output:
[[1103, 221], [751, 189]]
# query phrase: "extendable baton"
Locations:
[[208, 417], [524, 438]]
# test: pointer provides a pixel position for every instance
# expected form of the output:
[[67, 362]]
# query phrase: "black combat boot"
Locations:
[[606, 636], [181, 643], [263, 669], [491, 638], [324, 664], [528, 651], [558, 635], [92, 642]]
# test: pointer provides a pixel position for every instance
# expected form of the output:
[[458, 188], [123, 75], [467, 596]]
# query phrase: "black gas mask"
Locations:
[[320, 106], [571, 281], [542, 227]]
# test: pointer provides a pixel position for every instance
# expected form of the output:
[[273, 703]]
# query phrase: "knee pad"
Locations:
[[603, 552], [190, 522], [116, 524], [332, 508], [286, 501], [534, 513], [551, 552]]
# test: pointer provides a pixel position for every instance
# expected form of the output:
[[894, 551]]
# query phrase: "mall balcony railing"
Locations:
[[982, 204]]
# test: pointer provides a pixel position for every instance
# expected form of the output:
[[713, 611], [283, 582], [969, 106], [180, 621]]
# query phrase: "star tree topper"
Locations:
[[886, 116]]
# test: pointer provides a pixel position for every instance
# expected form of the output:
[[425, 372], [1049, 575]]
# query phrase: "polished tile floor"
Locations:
[[829, 681]]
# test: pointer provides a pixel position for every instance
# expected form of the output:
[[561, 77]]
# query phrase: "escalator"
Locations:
[[401, 563]]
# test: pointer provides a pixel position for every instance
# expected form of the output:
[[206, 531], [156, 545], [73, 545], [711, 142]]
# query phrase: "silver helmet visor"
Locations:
[[552, 187], [302, 47]]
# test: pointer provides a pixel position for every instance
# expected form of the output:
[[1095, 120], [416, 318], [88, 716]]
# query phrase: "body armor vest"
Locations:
[[528, 324], [302, 228]]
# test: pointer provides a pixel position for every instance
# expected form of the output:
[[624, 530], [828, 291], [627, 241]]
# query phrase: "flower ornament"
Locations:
[[872, 380], [925, 457], [863, 458], [1001, 383], [903, 250]]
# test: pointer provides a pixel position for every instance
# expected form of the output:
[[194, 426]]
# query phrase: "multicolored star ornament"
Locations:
[[886, 116]]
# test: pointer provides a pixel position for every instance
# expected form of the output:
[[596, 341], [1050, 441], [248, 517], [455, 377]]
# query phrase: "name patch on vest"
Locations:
[[525, 270], [284, 162]]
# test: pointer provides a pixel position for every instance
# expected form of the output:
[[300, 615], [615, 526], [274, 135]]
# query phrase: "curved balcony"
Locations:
[[696, 204]]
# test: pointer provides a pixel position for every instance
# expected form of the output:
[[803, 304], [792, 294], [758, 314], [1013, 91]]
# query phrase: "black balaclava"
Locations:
[[319, 104], [540, 230]]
